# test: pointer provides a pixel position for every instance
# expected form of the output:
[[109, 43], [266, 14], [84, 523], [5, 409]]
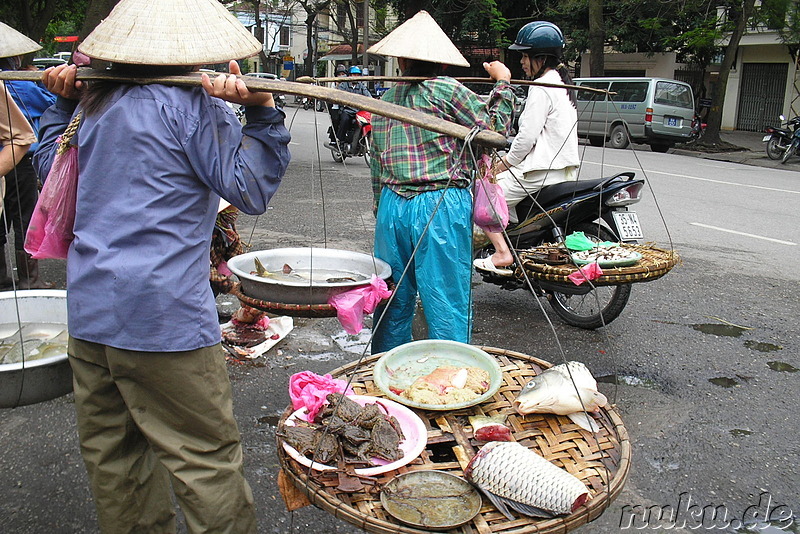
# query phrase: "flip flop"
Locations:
[[485, 264]]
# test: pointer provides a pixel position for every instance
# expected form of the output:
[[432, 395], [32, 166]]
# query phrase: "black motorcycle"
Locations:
[[779, 139], [599, 209]]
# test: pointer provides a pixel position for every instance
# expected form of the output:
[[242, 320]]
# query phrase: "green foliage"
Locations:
[[475, 21]]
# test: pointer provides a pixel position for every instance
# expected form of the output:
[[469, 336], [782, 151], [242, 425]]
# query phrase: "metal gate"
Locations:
[[761, 98]]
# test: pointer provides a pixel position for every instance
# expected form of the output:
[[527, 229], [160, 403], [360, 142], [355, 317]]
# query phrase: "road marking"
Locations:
[[628, 168], [743, 233]]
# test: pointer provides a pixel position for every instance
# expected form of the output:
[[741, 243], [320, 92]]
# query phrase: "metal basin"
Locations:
[[317, 273], [41, 312]]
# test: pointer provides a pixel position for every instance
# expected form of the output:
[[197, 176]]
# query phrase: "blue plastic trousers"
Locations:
[[439, 272]]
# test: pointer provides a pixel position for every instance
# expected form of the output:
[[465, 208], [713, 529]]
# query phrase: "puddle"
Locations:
[[356, 344], [723, 381], [760, 346], [323, 356], [782, 367], [717, 329], [628, 380], [738, 432]]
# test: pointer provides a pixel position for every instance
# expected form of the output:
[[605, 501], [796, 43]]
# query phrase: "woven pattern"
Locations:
[[280, 308], [655, 263], [600, 460]]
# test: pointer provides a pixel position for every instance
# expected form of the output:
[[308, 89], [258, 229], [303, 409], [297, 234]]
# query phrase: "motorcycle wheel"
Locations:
[[366, 147], [337, 156], [789, 152], [599, 306], [774, 148]]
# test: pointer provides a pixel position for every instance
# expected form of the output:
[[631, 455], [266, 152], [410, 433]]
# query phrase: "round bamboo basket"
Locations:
[[600, 460], [655, 263], [280, 308]]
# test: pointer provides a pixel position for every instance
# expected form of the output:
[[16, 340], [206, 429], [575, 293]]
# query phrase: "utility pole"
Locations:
[[366, 34]]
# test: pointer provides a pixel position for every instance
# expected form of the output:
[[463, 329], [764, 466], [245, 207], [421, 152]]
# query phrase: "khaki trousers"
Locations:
[[147, 420]]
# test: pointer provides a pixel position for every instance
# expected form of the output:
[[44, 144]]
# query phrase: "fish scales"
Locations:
[[512, 472]]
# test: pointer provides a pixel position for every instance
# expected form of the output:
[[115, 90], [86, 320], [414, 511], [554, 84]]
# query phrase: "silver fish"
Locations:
[[553, 392], [513, 476]]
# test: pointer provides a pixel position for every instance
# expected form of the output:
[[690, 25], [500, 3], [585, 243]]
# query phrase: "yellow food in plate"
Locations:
[[449, 385]]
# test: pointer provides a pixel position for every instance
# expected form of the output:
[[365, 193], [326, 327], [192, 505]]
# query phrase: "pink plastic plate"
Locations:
[[416, 437]]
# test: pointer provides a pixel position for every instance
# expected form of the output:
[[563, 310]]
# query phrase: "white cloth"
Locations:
[[548, 134]]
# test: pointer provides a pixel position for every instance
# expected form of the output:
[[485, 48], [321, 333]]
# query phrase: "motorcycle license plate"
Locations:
[[767, 138], [628, 225]]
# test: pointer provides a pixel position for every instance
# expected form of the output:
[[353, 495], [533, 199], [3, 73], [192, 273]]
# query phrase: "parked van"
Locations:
[[654, 111]]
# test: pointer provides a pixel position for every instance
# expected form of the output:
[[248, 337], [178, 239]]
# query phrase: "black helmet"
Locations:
[[341, 69], [540, 38]]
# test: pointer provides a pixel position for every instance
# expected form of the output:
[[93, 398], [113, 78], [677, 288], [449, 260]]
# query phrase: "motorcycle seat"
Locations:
[[550, 194]]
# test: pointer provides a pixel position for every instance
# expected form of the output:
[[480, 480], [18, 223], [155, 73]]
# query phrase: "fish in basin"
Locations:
[[553, 391]]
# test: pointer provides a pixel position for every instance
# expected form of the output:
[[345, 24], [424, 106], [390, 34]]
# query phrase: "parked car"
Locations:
[[268, 75], [654, 111], [45, 62]]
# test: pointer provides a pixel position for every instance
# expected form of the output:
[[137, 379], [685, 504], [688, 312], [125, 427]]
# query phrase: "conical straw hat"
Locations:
[[13, 43], [420, 38], [169, 32]]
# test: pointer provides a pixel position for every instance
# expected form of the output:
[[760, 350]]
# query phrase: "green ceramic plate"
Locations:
[[635, 256], [400, 367]]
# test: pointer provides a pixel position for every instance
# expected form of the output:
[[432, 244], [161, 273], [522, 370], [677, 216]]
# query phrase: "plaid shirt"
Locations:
[[410, 160]]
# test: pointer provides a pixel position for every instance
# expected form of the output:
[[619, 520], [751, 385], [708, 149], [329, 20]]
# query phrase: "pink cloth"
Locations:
[[351, 306], [309, 390], [590, 271]]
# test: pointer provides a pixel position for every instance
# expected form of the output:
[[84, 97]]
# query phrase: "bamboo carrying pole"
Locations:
[[309, 79], [485, 138]]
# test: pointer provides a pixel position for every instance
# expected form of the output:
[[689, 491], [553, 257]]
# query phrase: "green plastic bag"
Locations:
[[579, 241]]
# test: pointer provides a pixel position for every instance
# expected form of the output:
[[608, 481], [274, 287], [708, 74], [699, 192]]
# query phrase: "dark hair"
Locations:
[[98, 93], [416, 67], [552, 62]]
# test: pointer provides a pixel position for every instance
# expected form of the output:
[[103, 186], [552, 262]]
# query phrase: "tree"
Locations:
[[596, 38], [739, 13]]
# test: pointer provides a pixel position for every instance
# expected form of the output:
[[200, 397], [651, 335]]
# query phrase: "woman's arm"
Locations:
[[16, 134]]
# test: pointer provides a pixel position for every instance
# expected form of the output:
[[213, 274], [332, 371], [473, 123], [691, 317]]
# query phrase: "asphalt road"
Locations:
[[709, 406]]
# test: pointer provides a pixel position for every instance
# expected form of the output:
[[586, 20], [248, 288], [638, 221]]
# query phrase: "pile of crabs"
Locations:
[[346, 432]]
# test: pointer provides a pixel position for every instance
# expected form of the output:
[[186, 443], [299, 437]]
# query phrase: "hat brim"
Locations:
[[420, 38]]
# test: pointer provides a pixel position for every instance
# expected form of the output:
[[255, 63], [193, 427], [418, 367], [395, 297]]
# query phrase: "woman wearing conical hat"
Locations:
[[152, 394], [421, 182], [16, 135]]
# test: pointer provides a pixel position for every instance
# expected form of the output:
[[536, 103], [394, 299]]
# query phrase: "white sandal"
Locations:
[[486, 264]]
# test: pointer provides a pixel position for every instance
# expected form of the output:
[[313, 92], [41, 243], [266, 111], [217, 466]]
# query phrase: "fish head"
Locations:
[[541, 393]]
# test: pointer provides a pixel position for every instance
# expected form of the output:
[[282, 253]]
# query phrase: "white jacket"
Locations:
[[548, 133]]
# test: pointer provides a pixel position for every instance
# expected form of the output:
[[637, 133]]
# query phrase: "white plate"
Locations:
[[628, 226], [414, 431]]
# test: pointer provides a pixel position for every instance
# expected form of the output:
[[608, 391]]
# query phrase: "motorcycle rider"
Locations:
[[347, 115], [335, 110], [545, 150]]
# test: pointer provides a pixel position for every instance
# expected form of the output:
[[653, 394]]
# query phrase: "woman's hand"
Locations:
[[498, 71], [61, 81], [233, 89]]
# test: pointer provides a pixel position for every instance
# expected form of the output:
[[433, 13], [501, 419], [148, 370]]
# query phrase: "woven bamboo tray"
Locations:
[[280, 308], [655, 263], [600, 460]]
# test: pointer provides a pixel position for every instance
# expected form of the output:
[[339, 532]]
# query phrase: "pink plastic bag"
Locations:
[[491, 210], [50, 230], [309, 390], [590, 271], [351, 306]]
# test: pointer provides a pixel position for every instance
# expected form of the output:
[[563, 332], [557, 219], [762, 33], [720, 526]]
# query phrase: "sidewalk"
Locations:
[[754, 153]]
